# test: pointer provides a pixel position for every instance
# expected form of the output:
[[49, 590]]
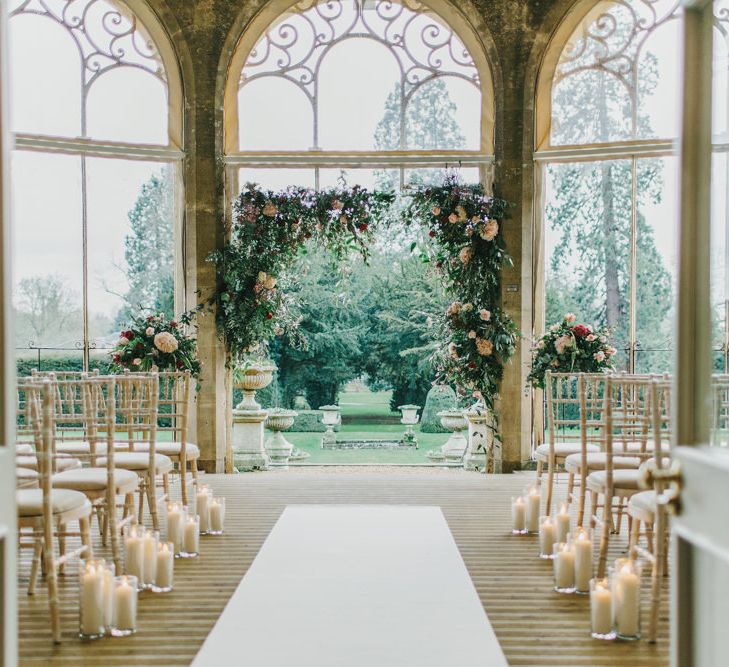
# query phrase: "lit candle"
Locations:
[[125, 606], [563, 523], [601, 609], [564, 567], [518, 515], [191, 537], [217, 516], [175, 519], [202, 503], [134, 553], [583, 560], [108, 595], [546, 537], [150, 556], [534, 498], [92, 599], [165, 567], [626, 592]]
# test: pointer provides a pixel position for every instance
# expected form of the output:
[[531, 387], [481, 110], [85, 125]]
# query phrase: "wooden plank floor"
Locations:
[[535, 626]]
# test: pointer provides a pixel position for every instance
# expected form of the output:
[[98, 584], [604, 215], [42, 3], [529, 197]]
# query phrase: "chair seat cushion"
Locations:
[[78, 447], [23, 448], [598, 461], [139, 461], [25, 478], [172, 449], [63, 462], [30, 502], [94, 479], [643, 503], [563, 449], [633, 446], [622, 480]]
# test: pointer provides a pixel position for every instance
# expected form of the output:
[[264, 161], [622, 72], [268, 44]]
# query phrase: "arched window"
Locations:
[[95, 106], [386, 90], [608, 115]]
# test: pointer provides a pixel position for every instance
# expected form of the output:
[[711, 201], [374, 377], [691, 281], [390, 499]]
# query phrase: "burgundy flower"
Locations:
[[580, 331], [363, 227], [117, 358], [472, 364], [431, 233], [269, 315]]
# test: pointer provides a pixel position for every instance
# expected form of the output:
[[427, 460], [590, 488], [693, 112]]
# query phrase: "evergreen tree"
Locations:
[[149, 249]]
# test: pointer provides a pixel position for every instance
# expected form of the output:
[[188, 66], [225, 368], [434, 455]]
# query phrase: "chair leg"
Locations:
[[621, 510], [604, 543], [570, 488], [634, 534], [128, 506], [166, 485], [593, 509], [152, 501], [114, 533], [659, 562], [540, 469], [550, 484], [36, 564], [583, 494], [193, 467], [649, 537], [183, 480], [52, 583], [85, 530], [142, 490], [61, 547]]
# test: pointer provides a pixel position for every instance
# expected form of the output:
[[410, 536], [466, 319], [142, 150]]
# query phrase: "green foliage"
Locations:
[[148, 249], [440, 397], [309, 421], [466, 245], [26, 365]]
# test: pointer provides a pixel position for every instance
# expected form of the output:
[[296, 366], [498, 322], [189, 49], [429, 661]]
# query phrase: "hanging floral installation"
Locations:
[[268, 232], [467, 247], [570, 347], [465, 244]]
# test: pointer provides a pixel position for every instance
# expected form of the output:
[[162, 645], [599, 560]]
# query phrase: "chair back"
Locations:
[[720, 410], [563, 407], [174, 404], [137, 399]]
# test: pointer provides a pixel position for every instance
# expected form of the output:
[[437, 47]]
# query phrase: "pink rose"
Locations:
[[436, 210], [149, 331], [453, 218], [489, 230], [562, 343], [484, 314], [472, 334], [466, 254], [599, 355], [137, 361], [123, 341], [485, 347], [165, 342], [570, 318]]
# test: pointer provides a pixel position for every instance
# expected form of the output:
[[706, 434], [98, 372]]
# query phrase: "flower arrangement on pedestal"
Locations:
[[154, 343], [467, 248], [568, 347], [269, 230]]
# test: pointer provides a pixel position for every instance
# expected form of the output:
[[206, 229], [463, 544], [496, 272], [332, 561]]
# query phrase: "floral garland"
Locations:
[[268, 231], [466, 245], [571, 348], [154, 343]]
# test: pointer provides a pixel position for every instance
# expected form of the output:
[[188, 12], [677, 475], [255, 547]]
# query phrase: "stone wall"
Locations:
[[515, 35]]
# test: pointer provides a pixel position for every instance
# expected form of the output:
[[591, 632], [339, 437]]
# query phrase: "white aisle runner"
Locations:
[[355, 586]]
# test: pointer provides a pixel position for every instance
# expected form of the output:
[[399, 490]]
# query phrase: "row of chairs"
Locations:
[[86, 446], [605, 432]]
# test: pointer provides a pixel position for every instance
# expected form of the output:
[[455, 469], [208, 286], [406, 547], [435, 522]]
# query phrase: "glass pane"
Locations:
[[276, 179], [45, 83], [113, 110], [436, 176], [657, 270], [131, 227], [719, 247], [274, 114], [616, 78], [587, 246], [720, 86], [47, 254]]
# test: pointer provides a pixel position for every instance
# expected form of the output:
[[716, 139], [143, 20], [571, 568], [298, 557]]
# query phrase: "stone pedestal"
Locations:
[[483, 447], [278, 448], [248, 449]]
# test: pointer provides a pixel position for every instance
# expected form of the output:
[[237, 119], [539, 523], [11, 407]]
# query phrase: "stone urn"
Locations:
[[250, 378], [330, 418], [454, 449], [277, 447], [409, 419]]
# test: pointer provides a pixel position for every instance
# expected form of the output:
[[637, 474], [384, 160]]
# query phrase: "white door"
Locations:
[[8, 620], [700, 576]]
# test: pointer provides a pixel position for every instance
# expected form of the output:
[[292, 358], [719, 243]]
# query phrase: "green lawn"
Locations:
[[367, 405]]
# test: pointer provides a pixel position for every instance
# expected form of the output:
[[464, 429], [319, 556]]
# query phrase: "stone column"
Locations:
[[248, 449], [480, 439]]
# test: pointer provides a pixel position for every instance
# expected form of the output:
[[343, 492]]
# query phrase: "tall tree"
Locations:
[[47, 311], [149, 248]]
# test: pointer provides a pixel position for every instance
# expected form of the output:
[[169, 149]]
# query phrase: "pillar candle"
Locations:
[[109, 595], [601, 607], [563, 523], [175, 518], [518, 514], [92, 599], [626, 592], [191, 536], [583, 560], [202, 506], [217, 515], [546, 537], [564, 567], [125, 605], [150, 556], [165, 567], [134, 553], [534, 498]]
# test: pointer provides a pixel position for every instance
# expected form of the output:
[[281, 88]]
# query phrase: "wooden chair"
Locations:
[[643, 509], [591, 390], [627, 420], [102, 485], [137, 397], [563, 423], [39, 510], [174, 410]]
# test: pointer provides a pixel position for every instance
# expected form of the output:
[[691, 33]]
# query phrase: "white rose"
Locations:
[[472, 334], [137, 362], [165, 342], [154, 368], [599, 355], [484, 314], [540, 344], [468, 307], [123, 341], [590, 338], [562, 343], [149, 331], [570, 318]]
